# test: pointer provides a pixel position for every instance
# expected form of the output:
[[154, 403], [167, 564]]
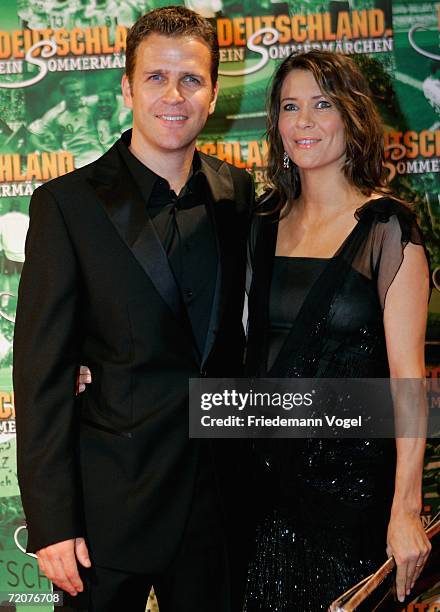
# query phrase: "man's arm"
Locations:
[[46, 351]]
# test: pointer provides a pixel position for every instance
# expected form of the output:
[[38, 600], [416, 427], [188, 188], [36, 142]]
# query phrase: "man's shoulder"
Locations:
[[78, 179], [239, 184], [217, 164], [69, 183]]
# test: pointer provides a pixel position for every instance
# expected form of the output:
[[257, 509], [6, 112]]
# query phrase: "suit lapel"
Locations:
[[220, 193], [126, 209]]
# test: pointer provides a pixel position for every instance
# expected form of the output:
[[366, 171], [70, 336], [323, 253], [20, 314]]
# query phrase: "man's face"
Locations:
[[171, 93], [72, 95], [106, 104], [39, 7]]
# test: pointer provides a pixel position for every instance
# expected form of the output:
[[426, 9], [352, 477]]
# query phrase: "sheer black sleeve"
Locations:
[[394, 226]]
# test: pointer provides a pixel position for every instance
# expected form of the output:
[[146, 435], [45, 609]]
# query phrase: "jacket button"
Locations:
[[203, 373]]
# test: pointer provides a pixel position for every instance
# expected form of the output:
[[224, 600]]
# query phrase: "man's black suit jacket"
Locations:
[[116, 464]]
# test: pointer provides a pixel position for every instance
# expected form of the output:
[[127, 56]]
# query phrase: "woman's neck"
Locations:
[[327, 193]]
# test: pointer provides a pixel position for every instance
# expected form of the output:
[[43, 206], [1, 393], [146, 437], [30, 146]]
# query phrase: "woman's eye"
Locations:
[[323, 104], [290, 107]]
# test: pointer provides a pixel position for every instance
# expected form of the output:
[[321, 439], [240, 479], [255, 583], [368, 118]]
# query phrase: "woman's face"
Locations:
[[310, 125]]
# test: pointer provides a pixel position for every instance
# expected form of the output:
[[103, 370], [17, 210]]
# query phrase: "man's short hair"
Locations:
[[109, 90], [171, 21], [68, 80]]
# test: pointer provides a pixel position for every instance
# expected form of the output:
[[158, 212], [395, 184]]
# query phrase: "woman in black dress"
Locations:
[[339, 288]]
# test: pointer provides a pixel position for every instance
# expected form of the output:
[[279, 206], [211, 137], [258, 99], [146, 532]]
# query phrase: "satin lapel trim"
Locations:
[[126, 209], [219, 191]]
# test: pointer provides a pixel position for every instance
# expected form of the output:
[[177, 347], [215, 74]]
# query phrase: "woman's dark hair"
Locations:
[[341, 80]]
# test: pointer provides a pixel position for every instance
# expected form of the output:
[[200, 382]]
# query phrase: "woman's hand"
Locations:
[[408, 544], [83, 378]]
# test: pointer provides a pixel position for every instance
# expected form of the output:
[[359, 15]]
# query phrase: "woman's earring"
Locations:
[[286, 160]]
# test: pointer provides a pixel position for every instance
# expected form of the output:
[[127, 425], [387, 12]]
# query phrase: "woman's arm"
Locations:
[[405, 316]]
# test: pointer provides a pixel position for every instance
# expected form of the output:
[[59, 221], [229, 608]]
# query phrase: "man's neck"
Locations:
[[173, 166]]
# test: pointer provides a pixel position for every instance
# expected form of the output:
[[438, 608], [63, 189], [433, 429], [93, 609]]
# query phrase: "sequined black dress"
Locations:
[[323, 504]]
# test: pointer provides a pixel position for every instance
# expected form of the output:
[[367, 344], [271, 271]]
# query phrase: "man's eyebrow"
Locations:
[[158, 71], [181, 73]]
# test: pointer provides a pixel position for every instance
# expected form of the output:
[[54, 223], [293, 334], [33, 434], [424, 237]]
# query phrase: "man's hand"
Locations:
[[84, 377], [58, 563]]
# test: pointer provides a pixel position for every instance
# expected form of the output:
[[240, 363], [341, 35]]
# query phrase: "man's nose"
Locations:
[[172, 93]]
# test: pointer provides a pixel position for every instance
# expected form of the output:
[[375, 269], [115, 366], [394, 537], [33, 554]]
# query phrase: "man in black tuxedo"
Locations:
[[135, 266]]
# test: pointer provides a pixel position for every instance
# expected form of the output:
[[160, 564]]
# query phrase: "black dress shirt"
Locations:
[[184, 226]]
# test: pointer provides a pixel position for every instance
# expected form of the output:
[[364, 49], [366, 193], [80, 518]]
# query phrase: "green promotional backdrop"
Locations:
[[61, 63]]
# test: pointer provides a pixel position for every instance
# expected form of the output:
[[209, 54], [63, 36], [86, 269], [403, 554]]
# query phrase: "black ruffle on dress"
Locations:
[[323, 504]]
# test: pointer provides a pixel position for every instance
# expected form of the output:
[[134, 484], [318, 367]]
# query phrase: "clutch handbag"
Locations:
[[372, 587]]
